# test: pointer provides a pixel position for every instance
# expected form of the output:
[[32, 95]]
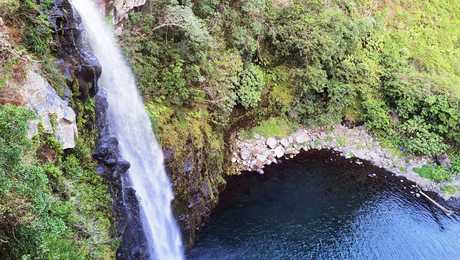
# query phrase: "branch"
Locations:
[[167, 24]]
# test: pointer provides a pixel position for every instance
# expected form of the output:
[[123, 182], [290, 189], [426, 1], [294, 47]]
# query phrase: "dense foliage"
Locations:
[[390, 66], [209, 68], [52, 205], [32, 35]]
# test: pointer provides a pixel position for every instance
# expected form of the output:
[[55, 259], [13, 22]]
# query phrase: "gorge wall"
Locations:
[[209, 71]]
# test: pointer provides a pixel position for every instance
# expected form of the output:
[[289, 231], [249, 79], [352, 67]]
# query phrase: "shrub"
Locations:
[[434, 172], [250, 86], [182, 17], [222, 80], [175, 86], [449, 189], [419, 139], [455, 168], [50, 210], [443, 115], [376, 116], [37, 34]]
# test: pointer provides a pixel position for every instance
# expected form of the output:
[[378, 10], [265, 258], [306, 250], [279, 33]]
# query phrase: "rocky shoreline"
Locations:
[[351, 143]]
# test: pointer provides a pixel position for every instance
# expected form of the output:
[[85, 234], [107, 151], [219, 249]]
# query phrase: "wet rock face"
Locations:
[[125, 204], [197, 179], [77, 61]]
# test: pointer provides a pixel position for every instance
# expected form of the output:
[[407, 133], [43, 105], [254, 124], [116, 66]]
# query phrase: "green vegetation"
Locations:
[[249, 88], [450, 189], [208, 69], [34, 37], [434, 172], [390, 66], [195, 156], [53, 205], [272, 127], [439, 173]]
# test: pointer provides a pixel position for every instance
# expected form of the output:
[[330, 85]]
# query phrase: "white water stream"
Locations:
[[130, 124]]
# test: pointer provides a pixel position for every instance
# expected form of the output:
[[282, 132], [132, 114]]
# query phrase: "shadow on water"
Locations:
[[321, 206]]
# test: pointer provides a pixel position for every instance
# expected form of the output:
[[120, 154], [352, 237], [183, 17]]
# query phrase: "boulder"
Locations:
[[279, 151], [444, 160], [45, 102], [300, 137], [261, 157], [272, 142], [245, 154], [285, 142]]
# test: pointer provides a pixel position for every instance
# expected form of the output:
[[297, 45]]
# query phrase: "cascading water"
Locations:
[[130, 124]]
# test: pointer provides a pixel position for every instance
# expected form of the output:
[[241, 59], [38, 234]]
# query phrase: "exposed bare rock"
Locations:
[[300, 136], [272, 142], [444, 160], [279, 151], [352, 143], [285, 142], [45, 102], [121, 8], [245, 154]]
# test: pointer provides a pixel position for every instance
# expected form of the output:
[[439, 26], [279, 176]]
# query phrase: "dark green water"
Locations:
[[322, 207]]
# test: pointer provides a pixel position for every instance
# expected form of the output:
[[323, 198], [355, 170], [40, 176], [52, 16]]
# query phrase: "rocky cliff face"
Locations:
[[198, 178], [53, 112], [121, 8], [76, 61]]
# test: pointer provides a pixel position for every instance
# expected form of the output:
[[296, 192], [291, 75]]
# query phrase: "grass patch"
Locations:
[[434, 172], [449, 189], [272, 127]]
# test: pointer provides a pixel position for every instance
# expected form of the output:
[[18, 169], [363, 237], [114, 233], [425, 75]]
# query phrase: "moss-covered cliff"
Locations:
[[208, 69]]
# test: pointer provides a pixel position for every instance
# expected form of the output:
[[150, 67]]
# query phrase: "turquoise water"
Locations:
[[319, 206]]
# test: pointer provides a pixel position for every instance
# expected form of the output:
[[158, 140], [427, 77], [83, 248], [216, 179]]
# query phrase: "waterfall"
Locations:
[[130, 124]]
